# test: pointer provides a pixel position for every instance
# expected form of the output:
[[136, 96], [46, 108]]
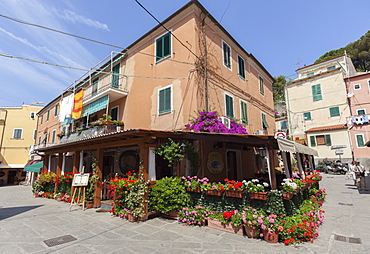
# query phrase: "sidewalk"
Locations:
[[26, 222]]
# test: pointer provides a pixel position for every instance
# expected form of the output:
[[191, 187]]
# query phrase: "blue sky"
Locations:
[[277, 33]]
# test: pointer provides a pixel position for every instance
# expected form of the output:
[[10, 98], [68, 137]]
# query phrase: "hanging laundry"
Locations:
[[358, 120], [77, 108], [353, 119], [66, 106], [365, 119]]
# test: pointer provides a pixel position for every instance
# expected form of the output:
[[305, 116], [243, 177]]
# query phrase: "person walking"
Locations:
[[352, 173], [360, 175]]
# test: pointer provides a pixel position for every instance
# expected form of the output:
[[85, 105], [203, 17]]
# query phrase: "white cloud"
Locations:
[[74, 17]]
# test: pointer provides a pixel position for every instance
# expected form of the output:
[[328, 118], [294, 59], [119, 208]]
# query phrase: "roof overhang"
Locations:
[[293, 147]]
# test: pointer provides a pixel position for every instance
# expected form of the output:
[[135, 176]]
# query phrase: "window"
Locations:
[[313, 140], [243, 112], [241, 67], [229, 105], [310, 74], [226, 54], [163, 47], [316, 92], [165, 100], [39, 140], [307, 116], [32, 115], [283, 125], [94, 87], [48, 115], [361, 111], [53, 134], [360, 140], [34, 134], [56, 110], [41, 118], [330, 68], [262, 88], [115, 76], [17, 133], [264, 122], [334, 111], [114, 113], [323, 140], [357, 87]]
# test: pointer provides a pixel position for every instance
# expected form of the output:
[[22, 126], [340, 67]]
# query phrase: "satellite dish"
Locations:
[[350, 94]]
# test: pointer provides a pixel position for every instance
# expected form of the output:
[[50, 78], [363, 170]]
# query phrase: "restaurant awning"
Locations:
[[293, 147], [34, 167]]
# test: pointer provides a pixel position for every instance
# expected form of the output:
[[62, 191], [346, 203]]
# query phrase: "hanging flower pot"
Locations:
[[258, 195], [234, 193], [287, 195], [193, 190], [214, 192]]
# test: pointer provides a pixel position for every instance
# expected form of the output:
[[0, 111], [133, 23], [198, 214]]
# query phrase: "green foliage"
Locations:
[[359, 51], [37, 187], [278, 88], [274, 203], [232, 217], [169, 194]]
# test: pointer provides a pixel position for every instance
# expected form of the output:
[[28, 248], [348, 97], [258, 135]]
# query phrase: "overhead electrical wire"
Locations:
[[82, 69], [83, 38]]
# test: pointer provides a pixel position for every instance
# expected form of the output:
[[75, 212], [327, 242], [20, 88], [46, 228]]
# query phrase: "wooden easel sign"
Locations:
[[80, 180]]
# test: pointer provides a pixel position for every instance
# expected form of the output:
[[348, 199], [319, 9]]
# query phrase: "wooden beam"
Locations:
[[99, 172], [45, 166], [272, 168], [59, 164]]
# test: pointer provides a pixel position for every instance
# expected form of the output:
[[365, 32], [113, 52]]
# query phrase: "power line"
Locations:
[[82, 69], [83, 38], [167, 29]]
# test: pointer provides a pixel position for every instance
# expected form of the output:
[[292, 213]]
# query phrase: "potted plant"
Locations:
[[234, 188], [252, 219], [271, 227], [37, 187], [168, 195], [229, 221], [194, 216], [288, 186], [256, 189]]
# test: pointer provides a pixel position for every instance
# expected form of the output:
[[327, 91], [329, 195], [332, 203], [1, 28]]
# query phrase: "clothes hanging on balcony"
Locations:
[[66, 106], [365, 119]]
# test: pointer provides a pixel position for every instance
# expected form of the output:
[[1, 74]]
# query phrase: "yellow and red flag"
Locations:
[[77, 107]]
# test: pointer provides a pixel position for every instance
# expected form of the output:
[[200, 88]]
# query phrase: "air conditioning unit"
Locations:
[[225, 121]]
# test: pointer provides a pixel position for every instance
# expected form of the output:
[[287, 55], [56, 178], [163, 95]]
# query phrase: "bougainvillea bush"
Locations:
[[210, 122]]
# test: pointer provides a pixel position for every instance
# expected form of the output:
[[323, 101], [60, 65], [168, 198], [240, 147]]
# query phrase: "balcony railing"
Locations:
[[89, 133]]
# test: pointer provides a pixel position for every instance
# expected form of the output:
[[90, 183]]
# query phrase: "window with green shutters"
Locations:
[[163, 47], [316, 92], [262, 87], [334, 111], [17, 133], [360, 140], [361, 112], [313, 140], [164, 100], [94, 88], [56, 110], [115, 76], [307, 116], [241, 67], [328, 140], [243, 112], [48, 115], [226, 54], [53, 136], [229, 102], [264, 122]]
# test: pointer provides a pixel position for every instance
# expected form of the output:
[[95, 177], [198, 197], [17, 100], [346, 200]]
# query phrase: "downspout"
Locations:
[[288, 110], [2, 136], [205, 62]]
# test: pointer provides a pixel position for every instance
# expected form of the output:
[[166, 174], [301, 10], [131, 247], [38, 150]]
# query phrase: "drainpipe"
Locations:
[[2, 135], [205, 62]]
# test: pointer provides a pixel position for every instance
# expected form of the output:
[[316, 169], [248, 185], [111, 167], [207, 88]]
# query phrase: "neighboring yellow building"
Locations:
[[17, 134]]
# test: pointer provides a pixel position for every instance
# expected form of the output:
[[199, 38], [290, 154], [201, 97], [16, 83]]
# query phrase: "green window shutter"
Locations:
[[334, 111], [56, 110], [307, 116], [361, 112], [115, 77], [328, 140], [264, 122], [53, 137], [227, 55], [229, 106], [316, 92], [94, 89], [163, 46], [164, 100], [262, 88], [360, 140], [241, 67], [244, 112], [313, 140]]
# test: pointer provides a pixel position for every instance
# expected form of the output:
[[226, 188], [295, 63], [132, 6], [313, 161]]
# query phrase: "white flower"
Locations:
[[266, 184], [255, 180]]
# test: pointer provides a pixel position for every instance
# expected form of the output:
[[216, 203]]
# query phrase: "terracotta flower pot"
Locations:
[[214, 192], [287, 195], [252, 231], [228, 227], [195, 190], [37, 195], [258, 195], [234, 193], [171, 215], [131, 218], [271, 237]]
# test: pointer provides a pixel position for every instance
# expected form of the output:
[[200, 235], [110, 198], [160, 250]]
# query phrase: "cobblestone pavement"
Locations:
[[26, 222]]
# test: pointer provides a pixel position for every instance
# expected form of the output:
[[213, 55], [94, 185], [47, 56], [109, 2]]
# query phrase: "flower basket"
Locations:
[[132, 218], [270, 237], [258, 195], [228, 227], [252, 232], [287, 195], [193, 190], [214, 192], [234, 193]]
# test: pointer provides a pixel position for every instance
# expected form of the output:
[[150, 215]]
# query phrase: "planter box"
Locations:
[[214, 192], [195, 190], [234, 194], [216, 224], [258, 195], [287, 195]]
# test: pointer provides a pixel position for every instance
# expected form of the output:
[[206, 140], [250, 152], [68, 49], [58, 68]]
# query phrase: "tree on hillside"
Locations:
[[359, 51], [278, 88]]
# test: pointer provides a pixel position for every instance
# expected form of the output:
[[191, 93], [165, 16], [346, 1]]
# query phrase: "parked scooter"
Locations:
[[337, 167]]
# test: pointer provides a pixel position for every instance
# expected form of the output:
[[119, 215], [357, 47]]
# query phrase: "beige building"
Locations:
[[318, 108], [17, 135]]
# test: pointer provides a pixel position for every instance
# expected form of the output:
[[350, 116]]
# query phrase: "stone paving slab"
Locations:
[[26, 222]]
